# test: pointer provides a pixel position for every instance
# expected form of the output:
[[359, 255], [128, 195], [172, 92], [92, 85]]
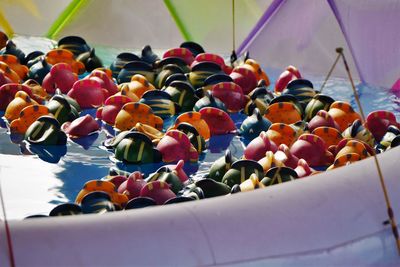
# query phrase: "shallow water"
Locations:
[[34, 180]]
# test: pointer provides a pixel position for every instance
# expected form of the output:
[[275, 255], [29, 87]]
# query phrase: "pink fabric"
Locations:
[[305, 33], [372, 31], [302, 33], [396, 86]]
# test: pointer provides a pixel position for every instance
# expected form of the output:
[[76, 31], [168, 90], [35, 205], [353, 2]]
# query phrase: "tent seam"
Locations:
[[339, 20]]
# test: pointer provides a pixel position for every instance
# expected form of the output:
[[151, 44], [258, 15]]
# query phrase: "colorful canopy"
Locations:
[[277, 33]]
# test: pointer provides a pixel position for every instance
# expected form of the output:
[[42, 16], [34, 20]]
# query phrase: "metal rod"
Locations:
[[329, 73], [7, 229], [390, 212], [233, 26]]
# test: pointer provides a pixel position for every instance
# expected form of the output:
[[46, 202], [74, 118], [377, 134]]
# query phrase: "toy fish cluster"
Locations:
[[290, 130]]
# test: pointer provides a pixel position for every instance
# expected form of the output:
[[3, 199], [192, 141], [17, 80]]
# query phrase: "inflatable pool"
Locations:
[[335, 218], [338, 217]]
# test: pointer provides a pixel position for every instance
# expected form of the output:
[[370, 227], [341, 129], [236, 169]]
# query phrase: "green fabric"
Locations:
[[65, 17], [211, 20]]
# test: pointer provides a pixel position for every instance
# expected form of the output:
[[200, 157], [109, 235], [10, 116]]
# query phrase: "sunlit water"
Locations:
[[35, 180]]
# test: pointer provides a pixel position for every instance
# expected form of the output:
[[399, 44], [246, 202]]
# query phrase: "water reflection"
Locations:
[[85, 142], [55, 175], [50, 154]]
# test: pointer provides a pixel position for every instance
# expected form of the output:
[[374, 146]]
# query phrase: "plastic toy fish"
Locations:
[[88, 93], [175, 146], [323, 119], [8, 92], [159, 191], [158, 65], [140, 202], [349, 146], [302, 89], [132, 186], [291, 73], [257, 148], [269, 161], [230, 94], [209, 101], [318, 102], [105, 81], [76, 44], [208, 57], [45, 130], [312, 149], [90, 60], [66, 209], [120, 61], [260, 98], [303, 170], [357, 131], [3, 39], [165, 73], [39, 70], [11, 49], [245, 78], [178, 170], [14, 64], [211, 188], [183, 94], [379, 121], [389, 140], [255, 67], [97, 202], [180, 52], [201, 71], [218, 121], [278, 175], [148, 55], [132, 113], [281, 133], [252, 126], [160, 102], [27, 116], [80, 127], [194, 47], [168, 176], [241, 170], [137, 86], [344, 160], [38, 92], [136, 148], [195, 138], [251, 184], [282, 112], [151, 132], [331, 136], [63, 108], [65, 56], [10, 73], [20, 101], [60, 77], [136, 67], [343, 114], [194, 118], [284, 155]]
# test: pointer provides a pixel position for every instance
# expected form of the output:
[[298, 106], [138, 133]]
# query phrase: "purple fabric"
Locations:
[[305, 33], [332, 4], [372, 30], [268, 13]]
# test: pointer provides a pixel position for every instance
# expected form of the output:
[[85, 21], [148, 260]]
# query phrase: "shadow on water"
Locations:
[[80, 165]]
